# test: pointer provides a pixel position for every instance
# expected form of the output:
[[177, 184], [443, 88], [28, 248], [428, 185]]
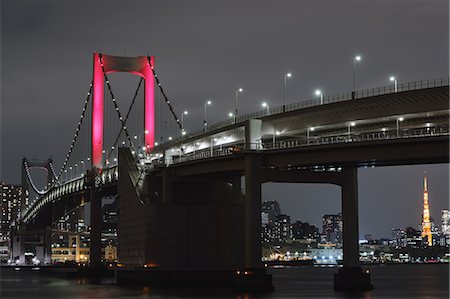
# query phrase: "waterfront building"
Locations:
[[270, 210], [445, 222], [282, 228], [12, 200], [332, 228], [304, 230]]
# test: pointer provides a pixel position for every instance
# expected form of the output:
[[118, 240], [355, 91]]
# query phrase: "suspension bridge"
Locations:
[[175, 186]]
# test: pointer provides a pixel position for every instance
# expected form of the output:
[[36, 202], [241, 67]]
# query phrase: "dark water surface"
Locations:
[[393, 281]]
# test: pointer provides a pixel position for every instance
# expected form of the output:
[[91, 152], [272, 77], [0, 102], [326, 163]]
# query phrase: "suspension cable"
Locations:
[[115, 104], [164, 94], [74, 140], [126, 117]]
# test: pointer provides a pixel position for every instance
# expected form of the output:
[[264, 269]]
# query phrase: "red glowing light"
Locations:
[[135, 65]]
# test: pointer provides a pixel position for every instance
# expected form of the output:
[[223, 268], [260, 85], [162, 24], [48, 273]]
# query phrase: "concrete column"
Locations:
[[96, 227], [351, 277], [236, 189], [350, 222], [253, 211], [167, 186], [253, 133]]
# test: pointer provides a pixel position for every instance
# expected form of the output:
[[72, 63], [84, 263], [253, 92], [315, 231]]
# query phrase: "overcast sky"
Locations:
[[205, 49]]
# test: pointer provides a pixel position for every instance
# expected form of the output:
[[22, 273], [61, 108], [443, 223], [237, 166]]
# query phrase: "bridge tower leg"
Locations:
[[96, 227], [351, 277]]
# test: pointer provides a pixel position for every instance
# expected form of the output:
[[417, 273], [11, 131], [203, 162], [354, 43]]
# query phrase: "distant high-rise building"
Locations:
[[12, 198], [332, 228], [398, 237], [445, 222], [304, 230], [270, 210], [426, 224], [282, 230]]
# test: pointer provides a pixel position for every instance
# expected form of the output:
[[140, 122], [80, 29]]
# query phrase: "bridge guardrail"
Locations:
[[313, 140], [301, 104]]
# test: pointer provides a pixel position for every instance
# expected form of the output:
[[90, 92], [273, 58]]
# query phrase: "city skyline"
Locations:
[[211, 63]]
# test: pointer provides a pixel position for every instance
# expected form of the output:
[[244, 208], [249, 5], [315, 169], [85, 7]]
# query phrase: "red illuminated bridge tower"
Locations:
[[105, 64]]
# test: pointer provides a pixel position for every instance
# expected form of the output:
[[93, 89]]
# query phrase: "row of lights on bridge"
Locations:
[[317, 92]]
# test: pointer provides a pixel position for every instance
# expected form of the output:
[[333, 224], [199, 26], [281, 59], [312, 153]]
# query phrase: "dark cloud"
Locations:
[[205, 49]]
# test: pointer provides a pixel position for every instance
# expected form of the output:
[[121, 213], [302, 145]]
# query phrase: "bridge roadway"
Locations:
[[318, 144], [306, 135]]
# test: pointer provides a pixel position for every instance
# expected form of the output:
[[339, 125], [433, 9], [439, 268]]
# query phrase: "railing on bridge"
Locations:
[[359, 94], [311, 141]]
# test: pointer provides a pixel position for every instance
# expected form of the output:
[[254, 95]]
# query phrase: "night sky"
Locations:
[[205, 49]]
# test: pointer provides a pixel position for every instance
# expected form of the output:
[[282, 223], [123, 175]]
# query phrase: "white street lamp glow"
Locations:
[[393, 79], [240, 90], [311, 128], [318, 92], [156, 143], [352, 124], [288, 75], [183, 133], [208, 102], [264, 104], [185, 112], [277, 132], [230, 114], [358, 58], [401, 119], [170, 138], [428, 125]]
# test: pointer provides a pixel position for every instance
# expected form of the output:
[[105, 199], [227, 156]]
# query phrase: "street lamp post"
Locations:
[[352, 124], [205, 123], [287, 75], [356, 58], [398, 120], [237, 91], [182, 119], [307, 133], [319, 93], [265, 105], [393, 79]]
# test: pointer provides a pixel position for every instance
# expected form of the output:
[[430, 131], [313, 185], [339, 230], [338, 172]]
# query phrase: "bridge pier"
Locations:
[[255, 276], [95, 250], [351, 277]]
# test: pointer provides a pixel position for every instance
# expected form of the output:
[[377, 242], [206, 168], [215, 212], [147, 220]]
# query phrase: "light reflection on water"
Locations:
[[395, 281]]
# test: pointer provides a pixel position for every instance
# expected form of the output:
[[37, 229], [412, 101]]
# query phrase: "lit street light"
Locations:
[[310, 129], [352, 124], [287, 75], [319, 94], [356, 58], [205, 124], [265, 105], [393, 79], [230, 115], [182, 119], [237, 92], [398, 120]]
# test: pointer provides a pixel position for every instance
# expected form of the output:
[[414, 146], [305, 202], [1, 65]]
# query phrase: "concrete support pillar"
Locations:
[[236, 189], [167, 186], [253, 211], [349, 191], [96, 227], [351, 277], [253, 133]]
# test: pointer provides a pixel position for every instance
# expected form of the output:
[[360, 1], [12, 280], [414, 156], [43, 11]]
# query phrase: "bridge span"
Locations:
[[208, 183]]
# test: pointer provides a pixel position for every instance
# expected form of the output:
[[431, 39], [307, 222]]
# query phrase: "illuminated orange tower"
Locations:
[[426, 224]]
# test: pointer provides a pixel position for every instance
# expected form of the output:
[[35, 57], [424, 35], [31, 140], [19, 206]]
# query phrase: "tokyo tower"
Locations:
[[426, 224]]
